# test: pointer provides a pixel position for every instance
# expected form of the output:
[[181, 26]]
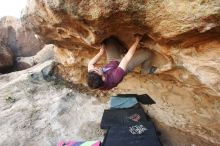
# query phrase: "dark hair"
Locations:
[[94, 80]]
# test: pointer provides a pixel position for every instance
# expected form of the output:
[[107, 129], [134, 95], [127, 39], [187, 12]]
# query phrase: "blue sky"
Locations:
[[11, 7]]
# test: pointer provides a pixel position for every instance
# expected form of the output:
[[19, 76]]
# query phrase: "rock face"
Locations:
[[6, 57], [47, 53], [86, 22], [21, 40], [183, 35], [38, 113]]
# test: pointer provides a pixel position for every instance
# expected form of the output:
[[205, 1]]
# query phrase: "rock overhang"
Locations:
[[184, 36]]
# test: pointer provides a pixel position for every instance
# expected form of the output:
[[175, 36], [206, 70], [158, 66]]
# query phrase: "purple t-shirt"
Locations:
[[113, 75]]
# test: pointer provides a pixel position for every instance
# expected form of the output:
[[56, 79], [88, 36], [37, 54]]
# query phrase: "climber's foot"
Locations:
[[150, 70]]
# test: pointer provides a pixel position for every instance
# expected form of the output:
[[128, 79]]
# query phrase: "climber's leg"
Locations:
[[114, 50], [112, 53], [145, 67], [142, 57]]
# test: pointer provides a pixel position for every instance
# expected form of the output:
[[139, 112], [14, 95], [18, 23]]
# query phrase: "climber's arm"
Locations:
[[96, 58], [125, 60]]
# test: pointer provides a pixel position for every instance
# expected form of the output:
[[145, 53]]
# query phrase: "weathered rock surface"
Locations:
[[86, 22], [183, 35], [6, 57], [21, 40], [47, 53], [38, 113]]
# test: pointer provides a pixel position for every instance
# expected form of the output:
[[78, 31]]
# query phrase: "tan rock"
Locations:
[[184, 36], [87, 22]]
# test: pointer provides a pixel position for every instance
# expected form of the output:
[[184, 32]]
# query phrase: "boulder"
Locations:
[[47, 53], [37, 110], [21, 40], [6, 58], [87, 22], [183, 35], [42, 112], [24, 63]]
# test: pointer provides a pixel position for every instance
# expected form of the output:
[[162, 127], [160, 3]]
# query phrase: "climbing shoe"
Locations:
[[152, 70]]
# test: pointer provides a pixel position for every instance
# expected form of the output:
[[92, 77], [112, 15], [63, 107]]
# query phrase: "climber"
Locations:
[[118, 66]]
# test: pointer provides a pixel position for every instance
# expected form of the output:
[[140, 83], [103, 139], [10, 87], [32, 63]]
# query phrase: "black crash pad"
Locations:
[[123, 117], [128, 127], [136, 135]]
